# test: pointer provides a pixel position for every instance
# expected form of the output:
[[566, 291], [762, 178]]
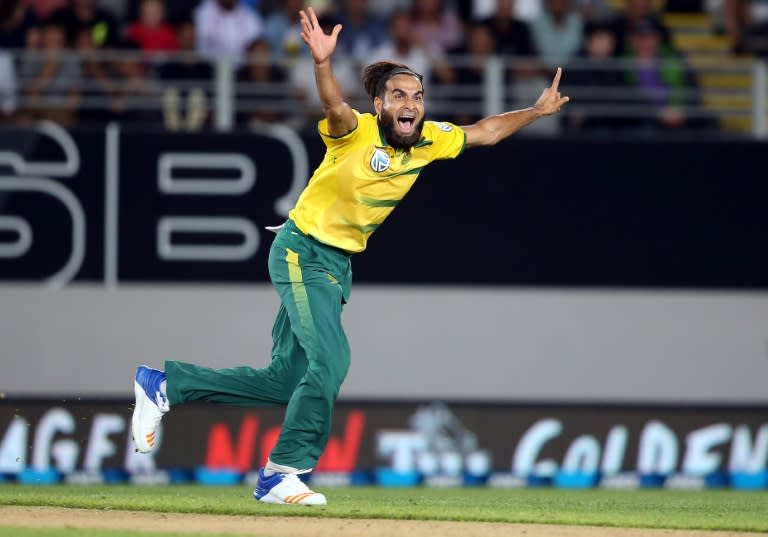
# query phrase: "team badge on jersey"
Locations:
[[443, 126], [379, 161]]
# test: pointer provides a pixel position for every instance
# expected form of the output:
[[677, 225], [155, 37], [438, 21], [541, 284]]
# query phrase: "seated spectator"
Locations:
[[186, 80], [225, 28], [16, 20], [363, 31], [98, 83], [661, 80], [746, 23], [52, 78], [406, 46], [437, 24], [136, 96], [261, 87], [511, 35], [86, 14], [43, 9], [635, 11], [283, 31], [151, 32], [470, 78], [557, 33], [595, 84], [524, 10]]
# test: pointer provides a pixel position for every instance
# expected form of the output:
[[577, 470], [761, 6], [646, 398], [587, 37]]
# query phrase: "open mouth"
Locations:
[[406, 122]]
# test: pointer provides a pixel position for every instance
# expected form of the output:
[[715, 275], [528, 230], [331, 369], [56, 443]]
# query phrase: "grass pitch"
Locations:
[[711, 509]]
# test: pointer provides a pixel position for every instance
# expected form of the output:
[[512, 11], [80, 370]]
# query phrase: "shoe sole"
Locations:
[[269, 498], [141, 401]]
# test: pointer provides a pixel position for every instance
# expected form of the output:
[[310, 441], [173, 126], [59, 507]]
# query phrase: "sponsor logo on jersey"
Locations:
[[443, 126], [379, 161]]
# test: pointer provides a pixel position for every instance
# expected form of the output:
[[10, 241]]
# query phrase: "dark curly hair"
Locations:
[[377, 74]]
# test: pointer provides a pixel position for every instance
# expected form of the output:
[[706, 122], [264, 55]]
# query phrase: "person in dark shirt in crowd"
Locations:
[[86, 14], [261, 87], [596, 82], [511, 35], [16, 19], [634, 12], [52, 78], [363, 31], [186, 80]]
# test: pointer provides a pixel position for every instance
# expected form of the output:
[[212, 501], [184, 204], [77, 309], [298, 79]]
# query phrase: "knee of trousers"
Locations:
[[328, 374]]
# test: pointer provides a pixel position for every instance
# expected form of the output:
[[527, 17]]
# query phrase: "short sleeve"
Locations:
[[448, 140], [338, 141]]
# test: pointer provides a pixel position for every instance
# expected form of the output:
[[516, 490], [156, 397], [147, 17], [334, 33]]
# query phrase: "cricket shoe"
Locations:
[[286, 489], [151, 404]]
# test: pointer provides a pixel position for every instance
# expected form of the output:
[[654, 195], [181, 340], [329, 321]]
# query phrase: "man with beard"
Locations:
[[370, 164]]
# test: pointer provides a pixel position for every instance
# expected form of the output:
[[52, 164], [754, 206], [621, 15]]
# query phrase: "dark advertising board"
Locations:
[[404, 443]]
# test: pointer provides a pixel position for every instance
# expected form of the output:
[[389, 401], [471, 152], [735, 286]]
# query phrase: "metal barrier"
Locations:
[[186, 93]]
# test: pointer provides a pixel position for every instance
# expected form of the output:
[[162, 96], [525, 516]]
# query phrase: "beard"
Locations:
[[398, 141]]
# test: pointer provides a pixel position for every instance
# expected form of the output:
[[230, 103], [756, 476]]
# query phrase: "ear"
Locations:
[[377, 104]]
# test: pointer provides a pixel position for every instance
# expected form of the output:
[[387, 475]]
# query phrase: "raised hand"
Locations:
[[550, 100], [320, 44]]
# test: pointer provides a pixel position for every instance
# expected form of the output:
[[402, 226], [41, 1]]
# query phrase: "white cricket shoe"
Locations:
[[286, 489], [151, 404]]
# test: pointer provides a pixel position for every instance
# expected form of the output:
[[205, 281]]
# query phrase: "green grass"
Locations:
[[722, 509]]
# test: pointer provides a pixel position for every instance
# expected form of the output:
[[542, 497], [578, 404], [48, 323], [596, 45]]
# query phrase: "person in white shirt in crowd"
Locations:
[[225, 28]]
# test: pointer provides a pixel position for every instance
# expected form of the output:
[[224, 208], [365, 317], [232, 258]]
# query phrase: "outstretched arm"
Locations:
[[492, 129], [341, 118]]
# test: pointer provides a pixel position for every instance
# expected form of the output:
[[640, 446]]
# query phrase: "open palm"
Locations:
[[320, 44]]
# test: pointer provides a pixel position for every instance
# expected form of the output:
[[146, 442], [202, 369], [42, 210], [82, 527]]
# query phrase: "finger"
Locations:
[[305, 24], [562, 101], [556, 81], [313, 17], [336, 30]]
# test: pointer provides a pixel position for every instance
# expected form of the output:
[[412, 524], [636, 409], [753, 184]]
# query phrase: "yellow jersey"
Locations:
[[362, 179]]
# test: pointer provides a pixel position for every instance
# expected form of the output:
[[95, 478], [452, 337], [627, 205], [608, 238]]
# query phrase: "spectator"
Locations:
[[261, 87], [136, 98], [480, 43], [524, 10], [151, 32], [596, 80], [283, 32], [436, 24], [635, 11], [16, 21], [86, 14], [557, 33], [186, 80], [98, 84], [53, 77], [363, 31], [746, 23], [661, 80], [406, 46], [43, 9], [225, 28], [511, 35]]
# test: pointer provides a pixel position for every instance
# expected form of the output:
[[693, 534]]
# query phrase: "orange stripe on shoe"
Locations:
[[300, 497]]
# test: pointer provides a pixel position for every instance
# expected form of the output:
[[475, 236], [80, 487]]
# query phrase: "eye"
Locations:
[[418, 98], [399, 96]]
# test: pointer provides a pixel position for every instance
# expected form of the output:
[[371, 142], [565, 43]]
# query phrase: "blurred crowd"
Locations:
[[155, 60]]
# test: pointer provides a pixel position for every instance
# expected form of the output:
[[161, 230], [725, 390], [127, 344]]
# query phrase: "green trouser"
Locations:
[[310, 353]]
